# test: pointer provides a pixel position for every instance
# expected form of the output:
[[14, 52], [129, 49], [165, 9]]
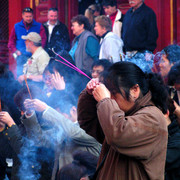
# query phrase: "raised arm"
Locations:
[[34, 129], [69, 128]]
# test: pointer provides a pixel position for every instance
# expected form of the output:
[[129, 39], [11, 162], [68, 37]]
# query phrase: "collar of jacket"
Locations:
[[105, 34], [46, 23], [138, 9], [140, 103], [119, 15], [27, 25]]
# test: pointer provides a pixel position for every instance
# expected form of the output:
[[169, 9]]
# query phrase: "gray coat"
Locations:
[[82, 59], [65, 135]]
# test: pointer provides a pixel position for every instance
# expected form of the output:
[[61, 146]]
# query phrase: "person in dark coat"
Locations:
[[173, 147], [56, 32], [139, 29]]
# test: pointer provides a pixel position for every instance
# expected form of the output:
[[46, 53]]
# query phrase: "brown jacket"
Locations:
[[135, 144]]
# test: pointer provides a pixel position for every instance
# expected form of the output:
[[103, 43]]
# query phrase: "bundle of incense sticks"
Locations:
[[69, 64], [25, 79]]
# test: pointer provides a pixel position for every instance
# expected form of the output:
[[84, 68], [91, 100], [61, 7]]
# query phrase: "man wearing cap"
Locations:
[[56, 32], [16, 45], [110, 9], [35, 65]]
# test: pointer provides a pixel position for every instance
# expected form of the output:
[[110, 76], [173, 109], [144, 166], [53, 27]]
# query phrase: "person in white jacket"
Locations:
[[111, 46], [116, 16]]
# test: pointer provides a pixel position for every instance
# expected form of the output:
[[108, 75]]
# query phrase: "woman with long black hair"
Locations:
[[130, 107]]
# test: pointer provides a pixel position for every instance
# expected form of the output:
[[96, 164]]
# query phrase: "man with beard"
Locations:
[[56, 32], [17, 45], [139, 30], [35, 65]]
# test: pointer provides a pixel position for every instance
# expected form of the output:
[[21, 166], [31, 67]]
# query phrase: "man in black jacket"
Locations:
[[56, 32], [139, 30]]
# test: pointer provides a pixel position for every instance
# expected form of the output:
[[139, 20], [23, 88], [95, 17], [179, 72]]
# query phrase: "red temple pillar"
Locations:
[[72, 11], [14, 17]]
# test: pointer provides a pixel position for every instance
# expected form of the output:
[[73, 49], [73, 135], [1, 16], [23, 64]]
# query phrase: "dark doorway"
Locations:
[[83, 4], [4, 31]]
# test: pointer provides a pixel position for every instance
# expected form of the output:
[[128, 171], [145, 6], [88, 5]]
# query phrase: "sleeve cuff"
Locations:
[[45, 110], [28, 116]]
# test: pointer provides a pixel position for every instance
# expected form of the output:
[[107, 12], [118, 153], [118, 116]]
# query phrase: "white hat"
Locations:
[[32, 36]]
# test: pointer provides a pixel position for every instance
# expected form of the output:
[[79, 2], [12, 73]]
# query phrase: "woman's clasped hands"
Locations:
[[98, 90]]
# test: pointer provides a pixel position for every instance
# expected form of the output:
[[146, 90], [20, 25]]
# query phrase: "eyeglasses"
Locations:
[[96, 71], [27, 9]]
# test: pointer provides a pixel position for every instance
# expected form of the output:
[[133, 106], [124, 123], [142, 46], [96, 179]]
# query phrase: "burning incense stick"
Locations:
[[78, 70], [70, 64], [25, 79], [66, 64]]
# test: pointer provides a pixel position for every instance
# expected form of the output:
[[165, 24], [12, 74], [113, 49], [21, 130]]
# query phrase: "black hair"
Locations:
[[174, 74], [172, 52], [53, 9], [122, 76], [84, 163], [95, 7], [102, 62], [27, 9], [81, 19], [23, 94], [109, 3], [73, 80], [65, 71]]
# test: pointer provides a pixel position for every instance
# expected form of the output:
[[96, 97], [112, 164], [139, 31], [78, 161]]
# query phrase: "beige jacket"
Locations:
[[36, 64], [137, 142]]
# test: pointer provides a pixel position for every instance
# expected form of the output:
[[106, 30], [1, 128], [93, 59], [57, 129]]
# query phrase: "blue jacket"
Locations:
[[20, 30]]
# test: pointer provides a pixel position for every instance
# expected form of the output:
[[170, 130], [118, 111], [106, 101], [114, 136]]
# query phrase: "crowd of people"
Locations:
[[102, 107]]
